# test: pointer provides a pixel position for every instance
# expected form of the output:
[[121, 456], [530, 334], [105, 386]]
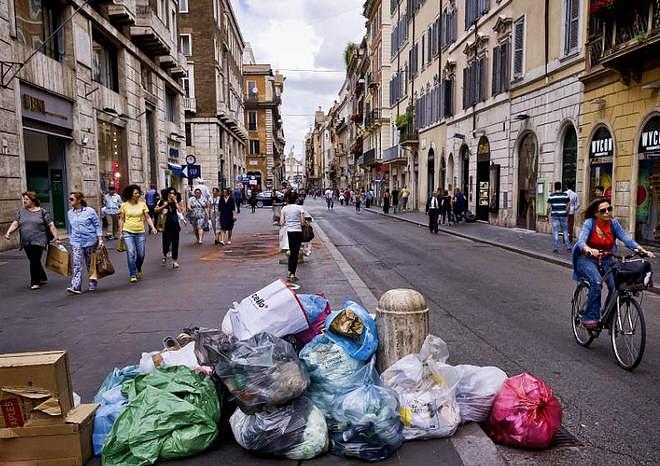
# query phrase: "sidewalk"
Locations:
[[113, 326], [526, 242]]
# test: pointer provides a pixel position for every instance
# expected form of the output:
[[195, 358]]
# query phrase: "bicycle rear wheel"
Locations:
[[580, 298], [628, 333]]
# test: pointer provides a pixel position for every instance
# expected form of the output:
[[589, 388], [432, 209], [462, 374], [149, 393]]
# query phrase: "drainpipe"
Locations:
[[545, 35]]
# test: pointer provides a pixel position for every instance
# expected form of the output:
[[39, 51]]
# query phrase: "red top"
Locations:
[[602, 238]]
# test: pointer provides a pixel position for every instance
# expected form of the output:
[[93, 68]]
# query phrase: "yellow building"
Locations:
[[620, 122]]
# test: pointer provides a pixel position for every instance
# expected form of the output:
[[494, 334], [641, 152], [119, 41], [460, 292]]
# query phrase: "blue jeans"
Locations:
[[560, 223], [135, 252], [587, 269]]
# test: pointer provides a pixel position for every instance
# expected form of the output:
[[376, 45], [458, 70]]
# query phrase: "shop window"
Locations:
[[36, 20], [104, 64], [113, 165], [170, 106]]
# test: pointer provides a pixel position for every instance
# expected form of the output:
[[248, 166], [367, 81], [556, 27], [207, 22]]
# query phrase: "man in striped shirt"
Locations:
[[558, 212]]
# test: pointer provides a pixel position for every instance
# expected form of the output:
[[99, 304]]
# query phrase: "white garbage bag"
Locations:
[[181, 357], [477, 389]]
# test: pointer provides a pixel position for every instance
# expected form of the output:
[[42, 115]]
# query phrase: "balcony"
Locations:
[[121, 11], [371, 118], [408, 136], [190, 104], [180, 69], [150, 33], [624, 38], [393, 154], [369, 157]]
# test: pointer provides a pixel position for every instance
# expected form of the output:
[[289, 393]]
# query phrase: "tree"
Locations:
[[348, 52]]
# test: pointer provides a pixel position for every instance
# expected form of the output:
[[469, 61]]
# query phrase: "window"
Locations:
[[571, 26], [170, 106], [475, 9], [252, 90], [185, 44], [518, 47], [434, 105], [422, 61], [183, 6], [474, 82], [397, 87], [104, 62], [189, 139], [449, 28], [252, 121], [35, 21], [413, 55], [501, 68], [254, 147]]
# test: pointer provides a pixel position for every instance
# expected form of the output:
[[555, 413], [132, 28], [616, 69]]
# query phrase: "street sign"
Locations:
[[192, 171]]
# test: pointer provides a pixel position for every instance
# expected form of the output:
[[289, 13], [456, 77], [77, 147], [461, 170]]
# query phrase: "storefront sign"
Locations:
[[483, 149], [602, 144], [649, 143], [47, 108]]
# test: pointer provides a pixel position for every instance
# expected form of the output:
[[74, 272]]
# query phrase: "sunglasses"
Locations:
[[606, 209], [72, 198]]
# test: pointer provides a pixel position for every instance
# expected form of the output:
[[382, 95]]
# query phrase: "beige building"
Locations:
[[98, 104]]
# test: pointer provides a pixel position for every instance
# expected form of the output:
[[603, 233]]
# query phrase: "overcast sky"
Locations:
[[302, 35]]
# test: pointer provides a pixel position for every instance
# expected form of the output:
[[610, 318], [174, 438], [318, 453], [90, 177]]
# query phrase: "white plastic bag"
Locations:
[[476, 391], [426, 388], [182, 357], [274, 309]]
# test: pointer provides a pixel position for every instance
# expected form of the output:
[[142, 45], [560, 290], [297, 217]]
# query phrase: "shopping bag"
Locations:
[[100, 265], [160, 222], [121, 247], [307, 233], [274, 309], [58, 260]]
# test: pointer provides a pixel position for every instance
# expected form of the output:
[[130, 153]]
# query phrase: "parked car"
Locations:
[[265, 198]]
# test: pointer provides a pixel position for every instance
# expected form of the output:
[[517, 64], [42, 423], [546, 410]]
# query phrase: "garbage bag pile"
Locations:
[[288, 377]]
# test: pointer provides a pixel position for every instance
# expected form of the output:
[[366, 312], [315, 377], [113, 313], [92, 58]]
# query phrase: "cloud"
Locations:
[[302, 35]]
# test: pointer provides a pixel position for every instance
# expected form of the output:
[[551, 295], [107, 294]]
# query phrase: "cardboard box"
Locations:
[[28, 406], [67, 444], [46, 370]]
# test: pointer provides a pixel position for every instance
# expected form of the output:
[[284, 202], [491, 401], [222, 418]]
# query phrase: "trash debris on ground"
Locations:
[[353, 328], [525, 413], [477, 389], [184, 356], [296, 431]]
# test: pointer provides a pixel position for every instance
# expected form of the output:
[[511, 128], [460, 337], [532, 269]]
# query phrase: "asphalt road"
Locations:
[[495, 307]]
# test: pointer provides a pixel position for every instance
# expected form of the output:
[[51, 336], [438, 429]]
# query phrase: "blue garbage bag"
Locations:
[[365, 422], [112, 402], [313, 304], [353, 328]]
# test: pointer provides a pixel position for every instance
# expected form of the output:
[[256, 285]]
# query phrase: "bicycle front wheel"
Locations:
[[580, 298], [628, 333]]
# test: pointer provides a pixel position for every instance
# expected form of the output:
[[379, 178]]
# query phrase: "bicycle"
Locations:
[[622, 314]]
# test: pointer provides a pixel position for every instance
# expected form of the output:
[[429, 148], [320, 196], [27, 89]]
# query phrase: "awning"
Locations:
[[175, 168]]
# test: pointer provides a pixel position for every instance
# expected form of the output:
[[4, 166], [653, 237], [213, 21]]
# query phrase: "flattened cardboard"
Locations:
[[28, 406]]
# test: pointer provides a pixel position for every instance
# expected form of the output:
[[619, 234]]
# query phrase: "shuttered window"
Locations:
[[475, 9], [571, 26], [518, 47], [501, 64]]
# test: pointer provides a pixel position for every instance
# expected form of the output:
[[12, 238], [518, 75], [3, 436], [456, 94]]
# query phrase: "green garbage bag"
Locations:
[[172, 412]]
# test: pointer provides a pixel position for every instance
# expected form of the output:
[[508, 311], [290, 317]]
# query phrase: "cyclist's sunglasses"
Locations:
[[606, 209]]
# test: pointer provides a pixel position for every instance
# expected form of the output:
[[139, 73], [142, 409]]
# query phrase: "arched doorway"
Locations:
[[465, 170], [527, 175], [483, 179], [443, 173], [430, 173], [569, 158], [451, 182]]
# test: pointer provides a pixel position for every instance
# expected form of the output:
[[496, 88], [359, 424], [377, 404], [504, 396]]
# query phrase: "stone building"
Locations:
[[210, 37], [263, 98], [619, 127], [91, 97], [294, 171]]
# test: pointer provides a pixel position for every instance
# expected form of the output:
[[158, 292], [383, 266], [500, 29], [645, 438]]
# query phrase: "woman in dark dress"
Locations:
[[169, 208], [386, 201], [227, 208]]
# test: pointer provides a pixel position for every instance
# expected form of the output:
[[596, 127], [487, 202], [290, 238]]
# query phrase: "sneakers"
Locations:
[[140, 274], [175, 265], [222, 243], [73, 290], [35, 287], [92, 285], [164, 261], [132, 280]]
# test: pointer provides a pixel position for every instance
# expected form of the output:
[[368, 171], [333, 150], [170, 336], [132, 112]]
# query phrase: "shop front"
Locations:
[[113, 163], [601, 158], [647, 220], [483, 179], [47, 124]]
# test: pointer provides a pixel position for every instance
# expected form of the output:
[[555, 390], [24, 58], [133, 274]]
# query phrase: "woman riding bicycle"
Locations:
[[594, 249]]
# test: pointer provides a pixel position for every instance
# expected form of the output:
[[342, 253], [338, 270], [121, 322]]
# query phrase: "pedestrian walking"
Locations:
[[459, 204], [214, 214], [198, 213], [328, 199], [445, 208], [558, 203], [386, 201], [573, 208], [341, 198], [293, 217], [347, 197], [405, 194], [152, 197], [368, 196], [85, 237], [395, 200], [227, 209], [253, 201], [238, 199], [111, 204], [169, 209], [433, 211], [358, 201], [34, 225], [132, 215]]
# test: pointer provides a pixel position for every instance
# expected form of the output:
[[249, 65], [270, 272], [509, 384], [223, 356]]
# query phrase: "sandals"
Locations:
[[590, 324], [292, 278]]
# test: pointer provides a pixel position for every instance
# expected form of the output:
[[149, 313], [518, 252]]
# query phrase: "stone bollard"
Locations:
[[403, 323]]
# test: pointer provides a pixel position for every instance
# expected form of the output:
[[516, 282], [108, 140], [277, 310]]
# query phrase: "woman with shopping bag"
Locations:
[[34, 225], [293, 217], [85, 236]]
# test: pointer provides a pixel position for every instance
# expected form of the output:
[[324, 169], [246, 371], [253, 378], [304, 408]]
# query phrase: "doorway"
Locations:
[[151, 144], [483, 179], [430, 177], [527, 176], [569, 159], [451, 181], [465, 170]]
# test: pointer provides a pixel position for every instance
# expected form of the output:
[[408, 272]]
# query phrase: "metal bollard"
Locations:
[[402, 318]]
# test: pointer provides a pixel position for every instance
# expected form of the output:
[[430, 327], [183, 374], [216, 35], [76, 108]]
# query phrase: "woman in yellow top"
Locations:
[[132, 215]]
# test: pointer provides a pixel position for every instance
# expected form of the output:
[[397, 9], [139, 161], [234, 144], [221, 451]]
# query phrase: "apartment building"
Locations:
[[91, 98], [619, 127], [263, 98], [211, 39]]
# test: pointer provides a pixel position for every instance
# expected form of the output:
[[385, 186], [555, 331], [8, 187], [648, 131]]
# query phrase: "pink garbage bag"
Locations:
[[525, 413]]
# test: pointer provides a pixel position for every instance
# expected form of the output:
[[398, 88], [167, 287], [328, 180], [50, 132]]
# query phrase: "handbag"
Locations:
[[49, 235], [307, 233], [121, 247], [58, 260], [100, 265], [160, 223]]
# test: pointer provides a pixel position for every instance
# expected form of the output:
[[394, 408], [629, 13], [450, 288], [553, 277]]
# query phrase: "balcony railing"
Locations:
[[150, 33], [190, 104], [371, 118], [392, 153], [408, 135], [122, 11]]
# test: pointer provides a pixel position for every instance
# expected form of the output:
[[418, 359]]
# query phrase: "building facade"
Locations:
[[211, 39], [92, 99]]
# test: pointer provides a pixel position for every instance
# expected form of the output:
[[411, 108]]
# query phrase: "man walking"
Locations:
[[558, 203], [152, 197], [367, 198], [395, 200], [433, 211], [238, 198], [573, 207], [328, 199], [405, 194], [112, 202]]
